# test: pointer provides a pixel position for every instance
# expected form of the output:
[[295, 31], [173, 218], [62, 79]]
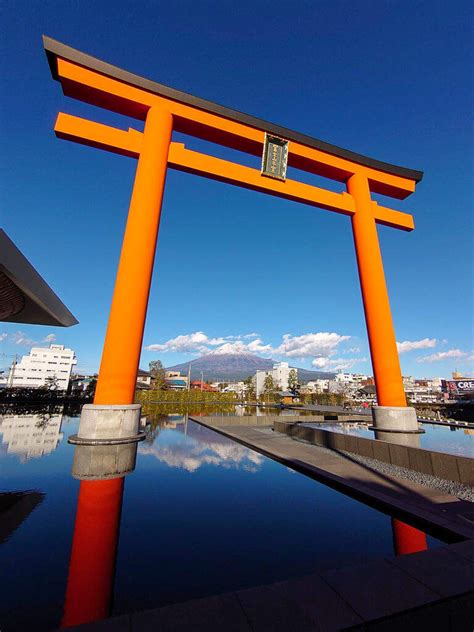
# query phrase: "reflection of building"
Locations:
[[31, 436], [42, 363]]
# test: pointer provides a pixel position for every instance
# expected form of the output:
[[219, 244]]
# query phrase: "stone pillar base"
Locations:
[[101, 462], [395, 419], [108, 425]]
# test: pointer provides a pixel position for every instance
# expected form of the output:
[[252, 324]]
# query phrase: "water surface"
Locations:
[[201, 515]]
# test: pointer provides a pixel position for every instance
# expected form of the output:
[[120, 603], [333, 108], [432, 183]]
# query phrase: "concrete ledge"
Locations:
[[448, 466]]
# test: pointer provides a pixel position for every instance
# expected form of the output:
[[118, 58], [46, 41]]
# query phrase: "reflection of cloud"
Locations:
[[200, 448]]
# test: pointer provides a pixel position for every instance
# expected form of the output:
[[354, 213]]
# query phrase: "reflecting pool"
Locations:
[[449, 439], [199, 515]]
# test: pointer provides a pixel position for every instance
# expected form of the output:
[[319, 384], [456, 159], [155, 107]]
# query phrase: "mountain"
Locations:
[[219, 365]]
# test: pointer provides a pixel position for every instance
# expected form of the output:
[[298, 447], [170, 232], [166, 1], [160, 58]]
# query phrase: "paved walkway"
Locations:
[[432, 590], [432, 510]]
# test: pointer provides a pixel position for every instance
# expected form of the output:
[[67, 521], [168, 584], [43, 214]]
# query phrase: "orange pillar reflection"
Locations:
[[94, 546], [383, 347], [407, 539]]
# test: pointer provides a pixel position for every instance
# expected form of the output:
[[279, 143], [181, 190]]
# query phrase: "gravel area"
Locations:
[[464, 492]]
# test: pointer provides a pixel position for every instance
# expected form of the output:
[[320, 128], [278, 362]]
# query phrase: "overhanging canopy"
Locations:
[[24, 295]]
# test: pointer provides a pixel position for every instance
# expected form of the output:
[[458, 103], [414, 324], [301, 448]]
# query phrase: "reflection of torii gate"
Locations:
[[164, 110]]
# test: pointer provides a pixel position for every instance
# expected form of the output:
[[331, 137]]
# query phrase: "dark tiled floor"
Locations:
[[421, 591]]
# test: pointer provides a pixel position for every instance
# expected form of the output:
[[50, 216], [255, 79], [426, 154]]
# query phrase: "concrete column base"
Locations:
[[108, 425], [395, 419], [101, 462]]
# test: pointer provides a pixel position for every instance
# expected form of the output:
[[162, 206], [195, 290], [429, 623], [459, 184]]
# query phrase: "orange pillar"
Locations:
[[123, 341], [383, 348], [407, 539], [94, 545]]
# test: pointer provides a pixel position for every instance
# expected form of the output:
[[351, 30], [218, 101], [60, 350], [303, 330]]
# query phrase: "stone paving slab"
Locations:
[[378, 596], [464, 549], [444, 572], [217, 613], [115, 624], [433, 510], [265, 611], [378, 589], [326, 608]]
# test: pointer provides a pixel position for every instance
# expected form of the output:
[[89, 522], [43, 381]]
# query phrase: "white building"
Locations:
[[280, 374], [346, 383], [317, 386], [42, 363]]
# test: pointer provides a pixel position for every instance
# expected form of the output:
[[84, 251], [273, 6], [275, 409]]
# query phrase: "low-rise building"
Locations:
[[175, 381], [143, 380], [199, 385], [83, 383], [234, 387], [316, 386], [280, 375]]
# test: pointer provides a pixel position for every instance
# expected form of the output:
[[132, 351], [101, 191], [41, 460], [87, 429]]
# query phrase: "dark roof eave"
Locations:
[[55, 49], [41, 305]]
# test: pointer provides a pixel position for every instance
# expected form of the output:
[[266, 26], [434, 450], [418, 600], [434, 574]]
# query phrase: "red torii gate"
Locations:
[[164, 109]]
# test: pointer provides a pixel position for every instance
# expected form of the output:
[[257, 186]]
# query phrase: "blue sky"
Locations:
[[390, 79]]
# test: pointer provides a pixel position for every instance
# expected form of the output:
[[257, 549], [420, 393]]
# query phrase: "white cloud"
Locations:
[[18, 338], [411, 345], [21, 339], [310, 345], [257, 346], [352, 350], [320, 345], [446, 355], [188, 343], [336, 364], [230, 347]]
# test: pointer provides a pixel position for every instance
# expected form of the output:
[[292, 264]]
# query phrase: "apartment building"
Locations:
[[34, 369]]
